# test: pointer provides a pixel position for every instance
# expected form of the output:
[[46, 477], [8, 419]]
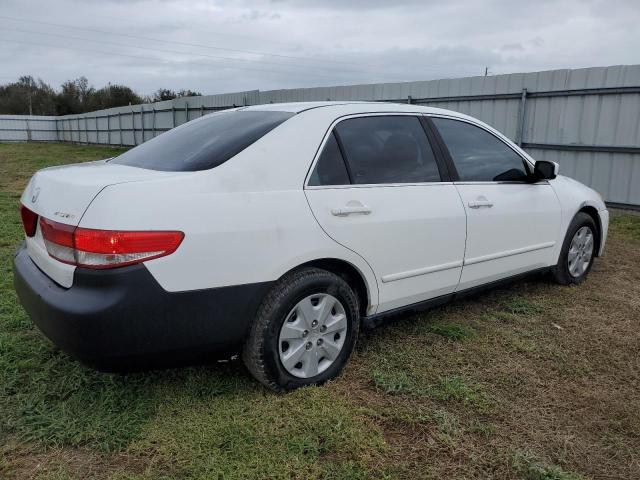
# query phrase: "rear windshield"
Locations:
[[203, 143]]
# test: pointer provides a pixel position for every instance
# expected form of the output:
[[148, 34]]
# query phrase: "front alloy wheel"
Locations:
[[578, 251]]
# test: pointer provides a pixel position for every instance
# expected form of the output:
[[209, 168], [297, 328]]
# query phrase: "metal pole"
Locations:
[[78, 124], [202, 110], [173, 115], [26, 120], [86, 132], [142, 122], [120, 126], [186, 112], [153, 121], [409, 99], [133, 127], [521, 117], [57, 131], [109, 129]]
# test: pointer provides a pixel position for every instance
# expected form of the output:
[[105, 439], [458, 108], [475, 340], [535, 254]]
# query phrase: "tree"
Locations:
[[28, 96], [166, 94]]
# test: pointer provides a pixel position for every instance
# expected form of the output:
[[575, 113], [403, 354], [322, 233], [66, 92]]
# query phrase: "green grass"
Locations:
[[626, 225], [452, 331], [452, 393], [532, 469]]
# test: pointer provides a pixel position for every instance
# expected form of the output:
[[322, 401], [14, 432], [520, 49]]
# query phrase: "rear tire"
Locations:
[[304, 331], [578, 251]]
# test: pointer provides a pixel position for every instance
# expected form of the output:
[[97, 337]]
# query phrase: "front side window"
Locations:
[[203, 143], [478, 155], [387, 149]]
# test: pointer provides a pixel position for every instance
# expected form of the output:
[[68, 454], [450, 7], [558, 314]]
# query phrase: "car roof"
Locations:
[[349, 105]]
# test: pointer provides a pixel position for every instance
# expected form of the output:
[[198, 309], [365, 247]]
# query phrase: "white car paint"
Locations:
[[251, 219]]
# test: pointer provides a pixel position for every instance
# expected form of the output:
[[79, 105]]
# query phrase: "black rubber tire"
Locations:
[[260, 352], [561, 271]]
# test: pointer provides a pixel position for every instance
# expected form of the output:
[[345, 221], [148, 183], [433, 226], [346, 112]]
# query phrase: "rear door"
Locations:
[[512, 224], [378, 189]]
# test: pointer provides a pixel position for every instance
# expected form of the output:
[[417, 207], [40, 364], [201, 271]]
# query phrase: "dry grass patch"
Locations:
[[534, 381]]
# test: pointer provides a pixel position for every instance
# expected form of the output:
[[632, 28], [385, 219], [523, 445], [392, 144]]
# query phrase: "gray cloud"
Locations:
[[221, 46]]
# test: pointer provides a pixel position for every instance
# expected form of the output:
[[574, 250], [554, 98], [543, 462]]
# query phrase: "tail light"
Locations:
[[90, 248], [29, 220]]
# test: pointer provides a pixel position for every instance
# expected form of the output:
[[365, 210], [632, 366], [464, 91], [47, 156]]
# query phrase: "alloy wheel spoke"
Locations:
[[292, 330], [310, 364], [292, 356], [324, 309], [330, 349], [305, 311], [336, 324], [572, 255]]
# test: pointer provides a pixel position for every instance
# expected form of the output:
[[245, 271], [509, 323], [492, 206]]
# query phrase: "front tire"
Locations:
[[578, 251], [304, 331]]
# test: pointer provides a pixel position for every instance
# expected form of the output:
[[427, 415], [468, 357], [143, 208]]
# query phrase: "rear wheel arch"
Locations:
[[347, 271]]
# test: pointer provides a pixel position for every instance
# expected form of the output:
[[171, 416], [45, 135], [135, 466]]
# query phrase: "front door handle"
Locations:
[[480, 203], [348, 210]]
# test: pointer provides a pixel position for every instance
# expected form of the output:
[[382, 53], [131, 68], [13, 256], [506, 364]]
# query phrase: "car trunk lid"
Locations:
[[64, 193]]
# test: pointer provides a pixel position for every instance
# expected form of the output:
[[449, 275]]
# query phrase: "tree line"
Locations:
[[29, 96]]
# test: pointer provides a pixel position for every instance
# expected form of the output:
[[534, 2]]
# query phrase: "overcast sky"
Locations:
[[225, 46]]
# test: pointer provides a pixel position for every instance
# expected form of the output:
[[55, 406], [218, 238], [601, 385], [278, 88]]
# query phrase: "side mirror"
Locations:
[[545, 170]]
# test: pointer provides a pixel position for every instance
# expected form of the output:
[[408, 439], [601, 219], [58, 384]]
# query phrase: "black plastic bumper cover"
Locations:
[[123, 319]]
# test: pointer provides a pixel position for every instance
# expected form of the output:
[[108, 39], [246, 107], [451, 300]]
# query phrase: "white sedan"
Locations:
[[278, 230]]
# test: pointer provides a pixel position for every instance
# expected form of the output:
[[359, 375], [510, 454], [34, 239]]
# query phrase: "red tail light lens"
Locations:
[[92, 248], [29, 220]]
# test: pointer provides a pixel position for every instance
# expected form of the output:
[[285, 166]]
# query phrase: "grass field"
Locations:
[[534, 381]]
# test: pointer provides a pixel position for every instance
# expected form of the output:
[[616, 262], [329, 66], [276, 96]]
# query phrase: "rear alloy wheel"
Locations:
[[304, 331], [313, 335], [578, 251]]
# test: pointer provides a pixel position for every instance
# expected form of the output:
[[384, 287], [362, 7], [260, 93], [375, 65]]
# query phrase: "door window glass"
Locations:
[[478, 155], [387, 149]]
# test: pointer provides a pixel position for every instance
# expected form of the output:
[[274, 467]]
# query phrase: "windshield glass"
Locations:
[[203, 143]]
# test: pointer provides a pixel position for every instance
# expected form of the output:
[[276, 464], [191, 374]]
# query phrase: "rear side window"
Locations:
[[478, 155], [330, 168], [203, 143], [387, 149]]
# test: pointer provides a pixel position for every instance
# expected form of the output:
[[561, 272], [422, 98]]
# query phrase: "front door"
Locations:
[[512, 224]]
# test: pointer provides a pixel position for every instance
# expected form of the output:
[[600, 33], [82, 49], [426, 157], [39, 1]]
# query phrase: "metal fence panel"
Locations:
[[586, 119]]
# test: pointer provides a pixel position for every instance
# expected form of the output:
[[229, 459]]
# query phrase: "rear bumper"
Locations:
[[123, 319]]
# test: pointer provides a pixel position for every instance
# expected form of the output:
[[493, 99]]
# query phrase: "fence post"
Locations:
[[133, 127], [109, 129], [78, 124], [142, 122], [521, 117], [120, 126], [57, 131], [173, 115], [26, 120], [202, 110], [153, 121], [86, 130], [186, 112], [409, 99]]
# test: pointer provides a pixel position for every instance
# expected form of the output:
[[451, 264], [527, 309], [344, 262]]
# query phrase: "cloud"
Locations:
[[222, 46]]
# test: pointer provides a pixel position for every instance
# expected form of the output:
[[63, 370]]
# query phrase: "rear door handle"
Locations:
[[480, 203], [344, 211]]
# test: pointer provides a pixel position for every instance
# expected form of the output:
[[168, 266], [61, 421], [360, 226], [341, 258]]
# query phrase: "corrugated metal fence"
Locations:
[[586, 119]]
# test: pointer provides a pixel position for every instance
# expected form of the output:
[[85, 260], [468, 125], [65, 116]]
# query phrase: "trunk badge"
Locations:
[[36, 194]]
